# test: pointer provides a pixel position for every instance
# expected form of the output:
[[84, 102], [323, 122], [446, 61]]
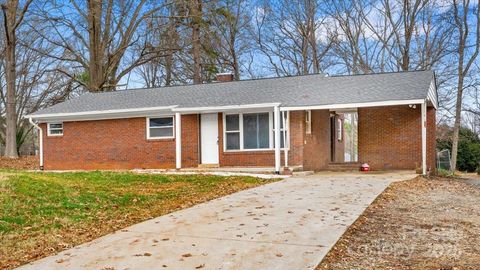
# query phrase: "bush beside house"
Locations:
[[468, 147]]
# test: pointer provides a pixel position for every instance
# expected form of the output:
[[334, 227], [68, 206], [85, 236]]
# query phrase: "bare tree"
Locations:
[[386, 35], [97, 38], [196, 13], [467, 49], [231, 24], [354, 49], [285, 34], [37, 84], [167, 38], [13, 16]]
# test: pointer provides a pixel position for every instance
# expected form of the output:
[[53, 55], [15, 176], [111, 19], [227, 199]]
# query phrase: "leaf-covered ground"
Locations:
[[23, 162], [415, 224], [43, 213]]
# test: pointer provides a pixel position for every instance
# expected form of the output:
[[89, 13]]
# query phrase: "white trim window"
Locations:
[[249, 131], [232, 131], [55, 129], [160, 127], [308, 122]]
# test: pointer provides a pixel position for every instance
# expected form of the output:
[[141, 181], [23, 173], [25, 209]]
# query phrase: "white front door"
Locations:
[[209, 138]]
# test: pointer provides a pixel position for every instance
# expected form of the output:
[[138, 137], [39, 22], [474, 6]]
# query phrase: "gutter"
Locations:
[[40, 132], [354, 105], [142, 112]]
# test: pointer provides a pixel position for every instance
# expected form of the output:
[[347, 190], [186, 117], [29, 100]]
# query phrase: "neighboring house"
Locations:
[[248, 123]]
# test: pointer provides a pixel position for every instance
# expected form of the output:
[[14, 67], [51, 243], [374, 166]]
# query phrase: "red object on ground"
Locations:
[[365, 167]]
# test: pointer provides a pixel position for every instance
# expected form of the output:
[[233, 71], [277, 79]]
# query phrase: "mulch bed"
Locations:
[[415, 224], [23, 162]]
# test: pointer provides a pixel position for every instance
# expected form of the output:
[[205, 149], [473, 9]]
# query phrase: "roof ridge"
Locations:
[[325, 75]]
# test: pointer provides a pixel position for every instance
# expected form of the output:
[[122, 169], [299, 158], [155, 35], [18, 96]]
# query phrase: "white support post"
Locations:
[[178, 140], [276, 126], [424, 138], [285, 139]]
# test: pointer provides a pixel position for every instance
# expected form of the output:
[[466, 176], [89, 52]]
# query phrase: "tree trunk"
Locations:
[[168, 68], [311, 10], [96, 73], [11, 121], [304, 56], [458, 118], [10, 21], [462, 24], [196, 12], [233, 52]]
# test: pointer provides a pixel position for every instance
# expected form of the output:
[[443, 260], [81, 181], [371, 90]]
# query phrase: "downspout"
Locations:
[[424, 136], [40, 137], [276, 122], [285, 139]]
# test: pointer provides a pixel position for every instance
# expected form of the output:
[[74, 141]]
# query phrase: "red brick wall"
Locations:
[[390, 137], [316, 154], [297, 138], [117, 144]]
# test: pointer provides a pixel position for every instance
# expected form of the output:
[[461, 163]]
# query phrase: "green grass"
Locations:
[[41, 213]]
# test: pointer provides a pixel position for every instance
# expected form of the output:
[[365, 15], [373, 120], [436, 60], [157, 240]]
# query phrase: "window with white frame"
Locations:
[[232, 132], [55, 129], [308, 122], [256, 128], [250, 131], [160, 127]]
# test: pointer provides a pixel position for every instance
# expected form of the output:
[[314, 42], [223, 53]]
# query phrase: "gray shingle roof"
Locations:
[[289, 91]]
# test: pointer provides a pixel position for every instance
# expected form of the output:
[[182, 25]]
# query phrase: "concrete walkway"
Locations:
[[289, 224]]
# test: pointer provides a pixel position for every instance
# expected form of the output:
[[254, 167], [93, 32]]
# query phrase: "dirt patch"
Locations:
[[415, 224], [24, 162]]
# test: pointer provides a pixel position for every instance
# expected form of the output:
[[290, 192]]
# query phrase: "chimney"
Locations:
[[224, 77]]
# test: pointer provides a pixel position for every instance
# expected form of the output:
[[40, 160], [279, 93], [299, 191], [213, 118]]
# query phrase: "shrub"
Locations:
[[468, 157]]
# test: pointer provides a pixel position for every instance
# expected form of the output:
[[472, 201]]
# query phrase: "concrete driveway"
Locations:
[[289, 224]]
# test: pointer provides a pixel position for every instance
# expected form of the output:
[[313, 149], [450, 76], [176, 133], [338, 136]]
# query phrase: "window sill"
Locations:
[[251, 151], [170, 139]]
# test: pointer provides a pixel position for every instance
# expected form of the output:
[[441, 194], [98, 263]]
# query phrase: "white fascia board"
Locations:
[[225, 108], [101, 115], [432, 94], [354, 105]]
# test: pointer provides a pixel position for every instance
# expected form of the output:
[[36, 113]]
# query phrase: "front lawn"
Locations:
[[43, 213]]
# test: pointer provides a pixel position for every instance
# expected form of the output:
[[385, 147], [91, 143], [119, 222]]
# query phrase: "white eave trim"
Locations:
[[100, 115], [432, 94], [225, 108], [354, 105]]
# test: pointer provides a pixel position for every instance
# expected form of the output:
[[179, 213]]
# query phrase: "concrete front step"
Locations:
[[302, 173], [347, 166]]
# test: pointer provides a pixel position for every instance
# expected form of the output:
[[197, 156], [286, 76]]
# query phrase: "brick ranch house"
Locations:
[[296, 122]]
